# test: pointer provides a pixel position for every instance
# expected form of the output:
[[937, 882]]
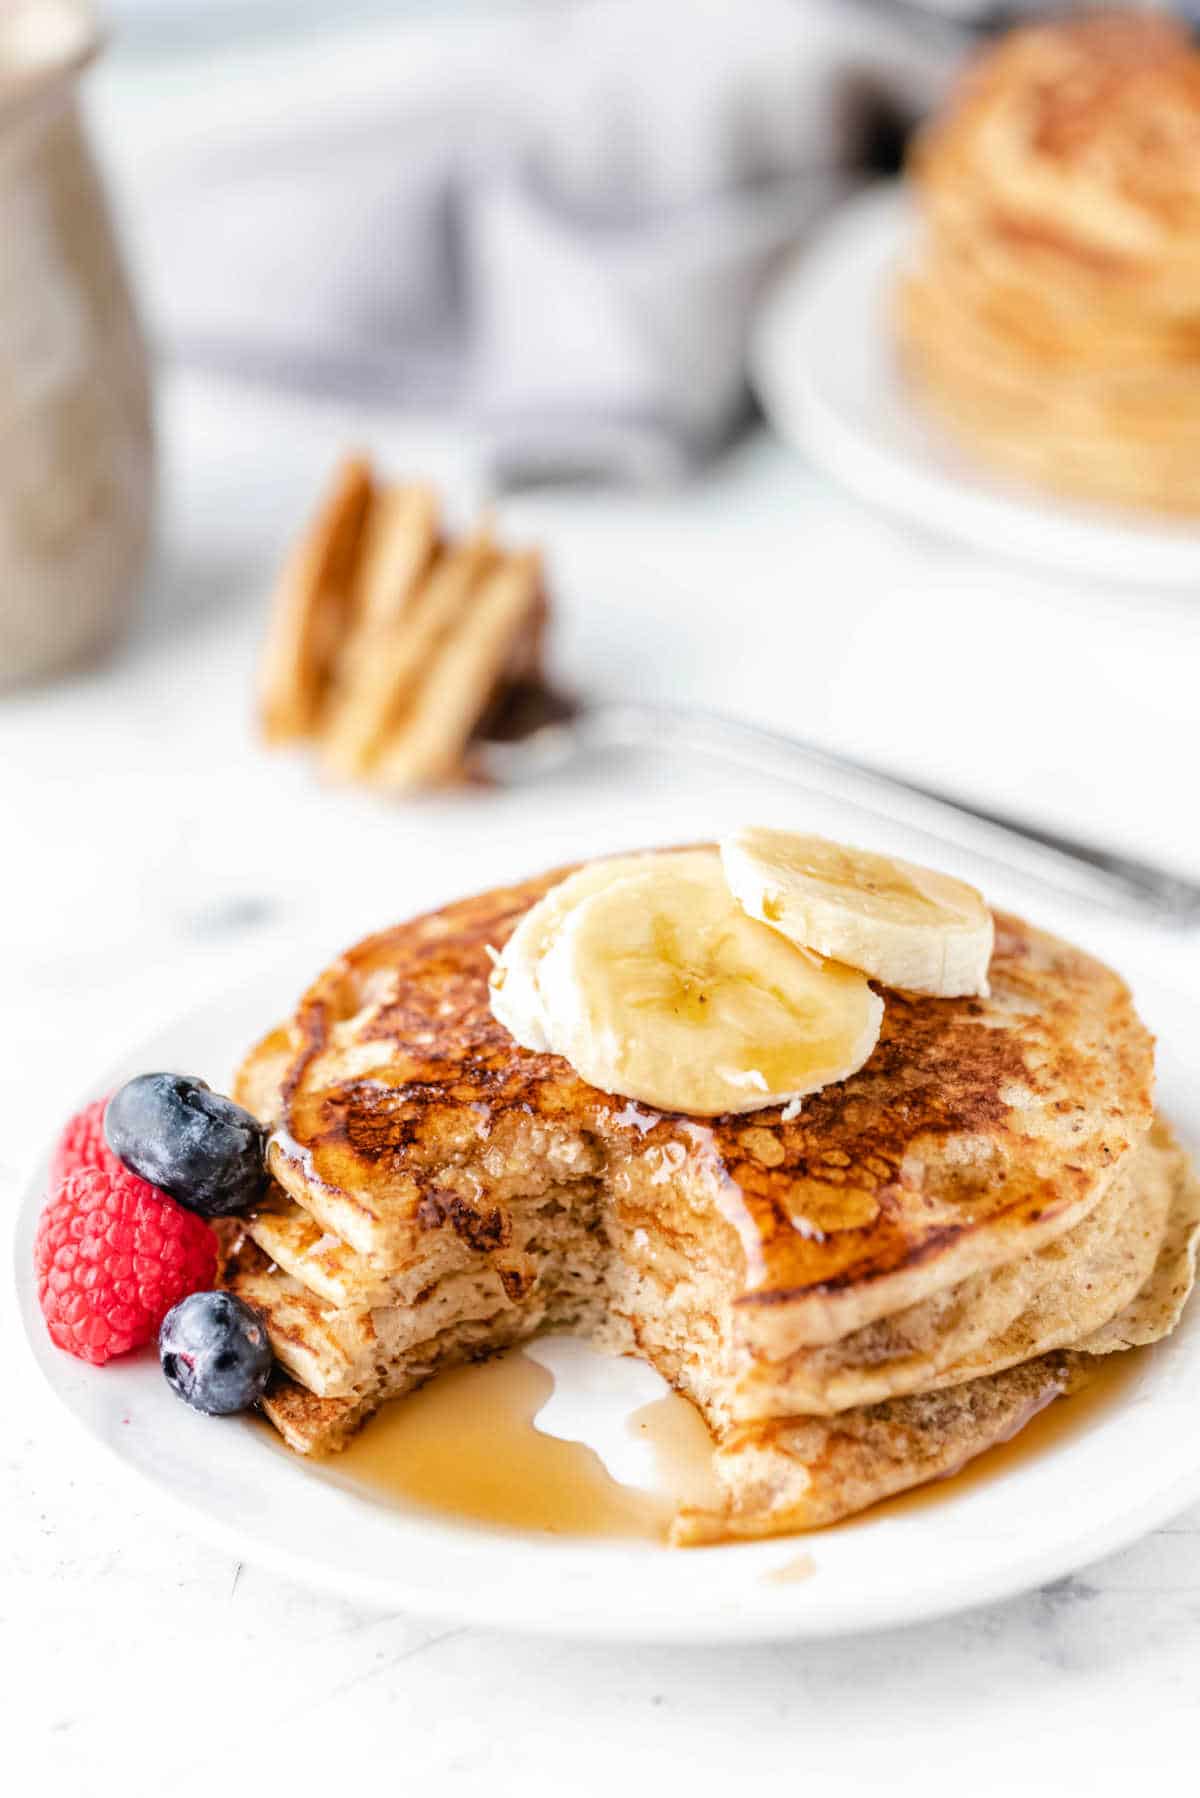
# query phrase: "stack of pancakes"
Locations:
[[388, 645], [858, 1298], [1053, 314]]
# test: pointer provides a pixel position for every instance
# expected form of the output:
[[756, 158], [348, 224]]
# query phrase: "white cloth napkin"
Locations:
[[559, 222]]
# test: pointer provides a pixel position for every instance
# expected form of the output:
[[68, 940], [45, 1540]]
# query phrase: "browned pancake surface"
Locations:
[[978, 1129]]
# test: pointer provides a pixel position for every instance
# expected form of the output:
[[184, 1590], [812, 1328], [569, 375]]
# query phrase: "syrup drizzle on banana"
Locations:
[[712, 982]]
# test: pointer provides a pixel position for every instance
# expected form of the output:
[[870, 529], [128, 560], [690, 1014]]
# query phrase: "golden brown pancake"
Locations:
[[780, 1474], [978, 1130], [991, 1320], [391, 647], [313, 607], [333, 1315], [1050, 317], [857, 1296]]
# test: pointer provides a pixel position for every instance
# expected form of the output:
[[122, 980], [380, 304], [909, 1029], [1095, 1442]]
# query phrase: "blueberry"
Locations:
[[214, 1351], [198, 1146]]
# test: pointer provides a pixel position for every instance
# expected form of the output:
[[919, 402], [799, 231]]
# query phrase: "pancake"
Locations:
[[383, 670], [802, 1472], [399, 541], [858, 1297], [1070, 147], [484, 654], [994, 1320], [390, 646], [312, 608], [978, 1131], [335, 1318], [1157, 1306], [1050, 316]]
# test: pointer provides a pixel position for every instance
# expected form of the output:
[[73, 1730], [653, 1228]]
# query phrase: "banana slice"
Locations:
[[907, 926], [515, 998], [657, 986]]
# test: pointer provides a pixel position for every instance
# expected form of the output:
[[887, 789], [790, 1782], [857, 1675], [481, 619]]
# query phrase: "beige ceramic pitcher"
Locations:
[[75, 432]]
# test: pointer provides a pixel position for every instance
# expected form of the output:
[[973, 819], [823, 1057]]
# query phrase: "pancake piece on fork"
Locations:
[[857, 1298], [389, 644], [313, 604]]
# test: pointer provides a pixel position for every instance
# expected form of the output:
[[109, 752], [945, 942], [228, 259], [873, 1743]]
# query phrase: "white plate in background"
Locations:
[[825, 370], [1135, 1464]]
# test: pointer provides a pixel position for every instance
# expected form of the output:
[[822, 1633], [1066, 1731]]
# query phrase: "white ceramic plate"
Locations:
[[1095, 1490], [825, 370]]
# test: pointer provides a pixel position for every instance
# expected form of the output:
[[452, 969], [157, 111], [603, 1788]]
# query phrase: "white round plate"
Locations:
[[824, 367], [1091, 1492]]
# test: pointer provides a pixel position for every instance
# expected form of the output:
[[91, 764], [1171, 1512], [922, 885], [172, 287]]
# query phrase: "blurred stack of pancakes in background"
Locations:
[[1052, 317], [389, 644]]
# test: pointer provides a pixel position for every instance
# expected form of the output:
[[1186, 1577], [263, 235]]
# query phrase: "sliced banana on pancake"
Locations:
[[657, 986], [906, 926], [516, 1000]]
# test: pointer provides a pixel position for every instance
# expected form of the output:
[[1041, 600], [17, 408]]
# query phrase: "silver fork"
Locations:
[[527, 741]]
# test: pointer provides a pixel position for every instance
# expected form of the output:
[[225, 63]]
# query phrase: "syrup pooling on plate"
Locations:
[[800, 1567], [467, 1445], [682, 1449]]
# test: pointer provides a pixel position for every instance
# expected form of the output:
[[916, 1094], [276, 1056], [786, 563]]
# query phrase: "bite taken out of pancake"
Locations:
[[858, 1293]]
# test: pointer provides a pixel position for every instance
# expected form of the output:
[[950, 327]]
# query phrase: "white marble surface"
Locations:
[[154, 852]]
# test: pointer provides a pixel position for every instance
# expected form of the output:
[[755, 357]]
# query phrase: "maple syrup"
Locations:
[[800, 1567], [467, 1445], [683, 1450]]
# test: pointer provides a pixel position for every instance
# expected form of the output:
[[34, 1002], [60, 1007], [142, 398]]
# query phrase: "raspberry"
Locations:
[[112, 1255], [83, 1144]]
